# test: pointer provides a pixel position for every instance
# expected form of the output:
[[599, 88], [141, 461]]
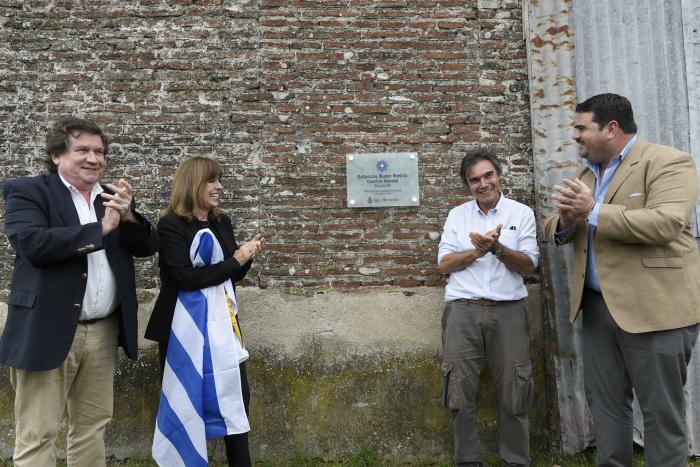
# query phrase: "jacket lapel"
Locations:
[[226, 245], [588, 177], [62, 199], [626, 168]]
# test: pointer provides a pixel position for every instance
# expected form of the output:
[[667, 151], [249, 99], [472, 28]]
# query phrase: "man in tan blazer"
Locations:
[[636, 278]]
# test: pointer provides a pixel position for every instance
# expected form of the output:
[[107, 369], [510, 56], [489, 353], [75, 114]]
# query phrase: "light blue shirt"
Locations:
[[599, 192]]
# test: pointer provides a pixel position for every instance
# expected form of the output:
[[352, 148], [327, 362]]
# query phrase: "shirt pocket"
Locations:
[[509, 238]]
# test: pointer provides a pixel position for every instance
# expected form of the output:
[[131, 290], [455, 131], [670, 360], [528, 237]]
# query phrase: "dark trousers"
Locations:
[[237, 450], [654, 364]]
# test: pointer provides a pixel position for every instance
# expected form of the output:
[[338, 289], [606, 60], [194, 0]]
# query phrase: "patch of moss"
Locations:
[[324, 408]]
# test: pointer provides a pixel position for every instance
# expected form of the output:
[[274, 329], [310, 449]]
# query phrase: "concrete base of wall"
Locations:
[[330, 373]]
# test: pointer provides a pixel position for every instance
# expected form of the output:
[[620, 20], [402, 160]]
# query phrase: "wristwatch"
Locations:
[[498, 252]]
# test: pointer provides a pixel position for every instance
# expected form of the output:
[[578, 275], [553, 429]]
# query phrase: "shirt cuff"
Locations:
[[560, 234], [593, 216]]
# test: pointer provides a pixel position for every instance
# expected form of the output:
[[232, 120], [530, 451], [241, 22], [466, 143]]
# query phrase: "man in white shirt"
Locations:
[[486, 246], [73, 295]]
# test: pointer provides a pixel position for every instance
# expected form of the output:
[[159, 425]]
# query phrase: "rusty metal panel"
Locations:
[[649, 51], [550, 47]]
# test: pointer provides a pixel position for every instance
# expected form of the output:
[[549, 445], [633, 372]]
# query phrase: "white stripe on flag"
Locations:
[[165, 452], [187, 332], [182, 406], [225, 360]]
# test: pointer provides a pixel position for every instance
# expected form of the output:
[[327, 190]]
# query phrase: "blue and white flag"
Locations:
[[201, 396]]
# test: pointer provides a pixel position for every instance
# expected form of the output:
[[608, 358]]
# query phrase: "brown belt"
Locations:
[[485, 301], [481, 301]]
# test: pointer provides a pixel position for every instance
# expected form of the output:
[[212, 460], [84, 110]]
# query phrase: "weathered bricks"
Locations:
[[279, 91]]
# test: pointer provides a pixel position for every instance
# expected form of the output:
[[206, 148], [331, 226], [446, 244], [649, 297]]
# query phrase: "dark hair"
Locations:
[[608, 107], [57, 138], [471, 158]]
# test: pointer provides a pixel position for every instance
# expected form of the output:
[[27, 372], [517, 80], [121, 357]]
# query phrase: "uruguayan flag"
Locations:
[[201, 396]]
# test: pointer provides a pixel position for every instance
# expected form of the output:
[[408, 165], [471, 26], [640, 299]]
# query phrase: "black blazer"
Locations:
[[49, 278], [177, 273]]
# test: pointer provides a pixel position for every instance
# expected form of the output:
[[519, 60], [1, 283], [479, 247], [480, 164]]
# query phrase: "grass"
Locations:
[[367, 457]]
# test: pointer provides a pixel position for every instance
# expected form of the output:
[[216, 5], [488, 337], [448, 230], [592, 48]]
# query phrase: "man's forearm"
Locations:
[[458, 261], [516, 260]]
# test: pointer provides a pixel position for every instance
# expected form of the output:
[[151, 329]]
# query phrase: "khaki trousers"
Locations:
[[84, 385], [472, 334]]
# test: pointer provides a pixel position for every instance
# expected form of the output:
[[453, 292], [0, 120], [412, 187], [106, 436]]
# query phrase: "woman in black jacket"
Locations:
[[194, 206]]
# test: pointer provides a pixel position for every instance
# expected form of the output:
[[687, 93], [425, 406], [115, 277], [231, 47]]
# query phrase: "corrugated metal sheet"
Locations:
[[647, 50], [691, 41], [552, 100], [635, 48]]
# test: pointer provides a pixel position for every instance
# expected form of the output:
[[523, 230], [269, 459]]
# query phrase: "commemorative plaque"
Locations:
[[382, 180]]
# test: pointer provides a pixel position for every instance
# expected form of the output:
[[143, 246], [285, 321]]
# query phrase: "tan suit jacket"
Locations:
[[646, 256]]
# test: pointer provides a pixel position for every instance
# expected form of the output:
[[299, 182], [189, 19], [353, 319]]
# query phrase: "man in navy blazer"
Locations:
[[73, 295]]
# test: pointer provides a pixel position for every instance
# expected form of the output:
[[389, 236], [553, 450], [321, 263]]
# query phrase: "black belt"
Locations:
[[90, 321]]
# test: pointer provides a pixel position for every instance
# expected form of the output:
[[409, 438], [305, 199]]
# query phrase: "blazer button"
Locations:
[[84, 275], [76, 306]]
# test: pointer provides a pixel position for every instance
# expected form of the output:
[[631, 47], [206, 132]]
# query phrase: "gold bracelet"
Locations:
[[590, 211]]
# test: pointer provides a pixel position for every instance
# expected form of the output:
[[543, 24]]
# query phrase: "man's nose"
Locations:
[[92, 157]]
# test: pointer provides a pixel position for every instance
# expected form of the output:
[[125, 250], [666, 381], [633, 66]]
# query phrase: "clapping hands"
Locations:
[[250, 249], [488, 241], [117, 206], [573, 200]]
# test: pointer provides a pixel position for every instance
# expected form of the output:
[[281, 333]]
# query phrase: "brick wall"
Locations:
[[279, 91]]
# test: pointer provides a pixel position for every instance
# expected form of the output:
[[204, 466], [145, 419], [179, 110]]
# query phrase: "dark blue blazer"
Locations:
[[50, 271]]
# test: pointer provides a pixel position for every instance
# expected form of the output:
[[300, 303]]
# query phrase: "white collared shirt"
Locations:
[[101, 291], [488, 277]]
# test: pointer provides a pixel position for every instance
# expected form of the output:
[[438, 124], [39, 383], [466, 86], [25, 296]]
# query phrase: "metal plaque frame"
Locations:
[[382, 180]]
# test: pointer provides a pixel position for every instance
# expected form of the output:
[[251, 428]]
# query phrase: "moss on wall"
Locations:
[[324, 402], [387, 403]]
